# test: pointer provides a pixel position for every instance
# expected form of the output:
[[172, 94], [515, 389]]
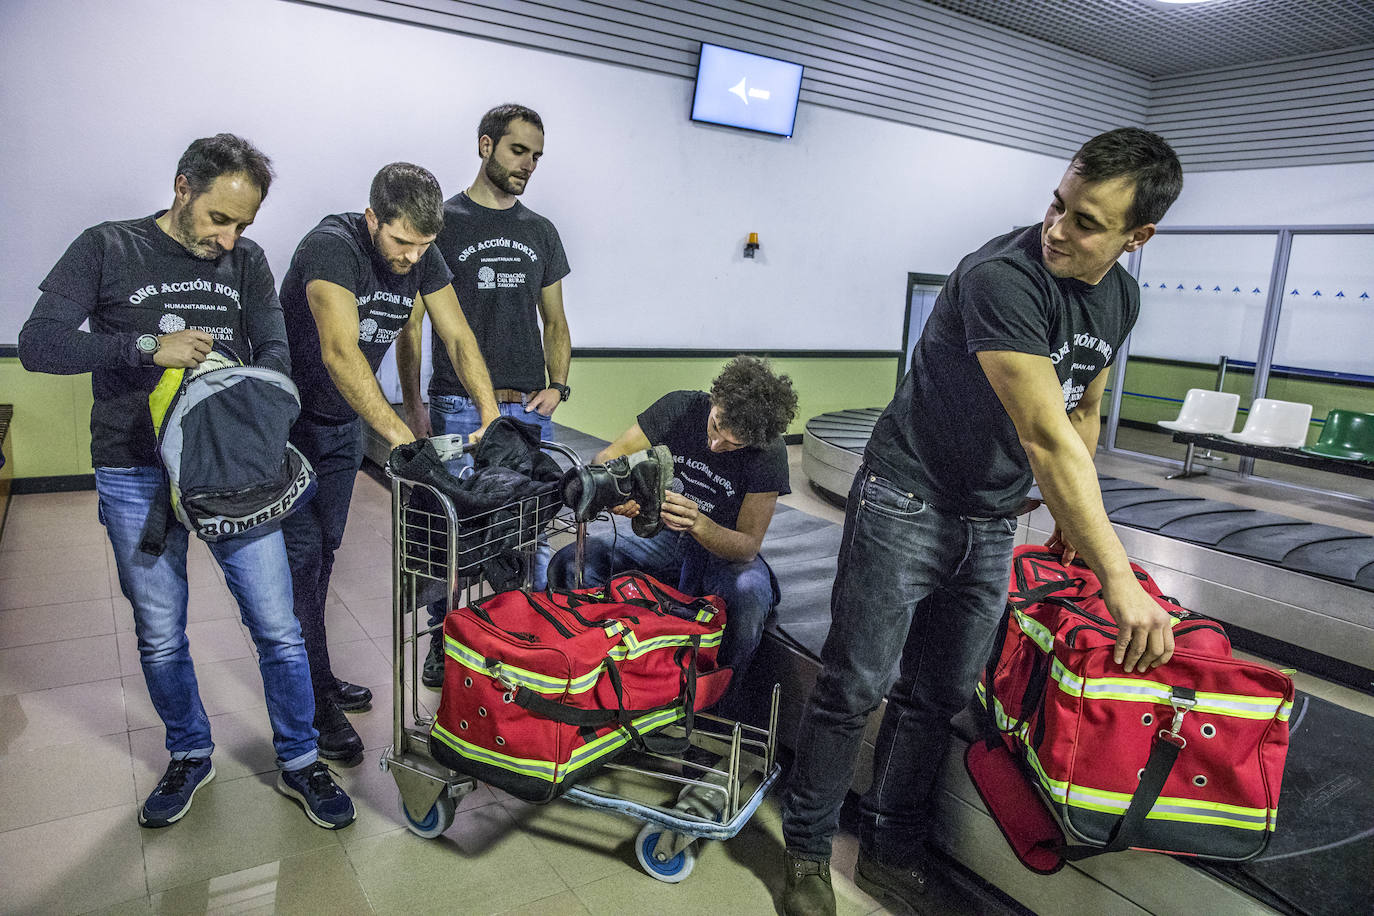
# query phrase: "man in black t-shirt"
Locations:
[[357, 282], [729, 456], [508, 268], [158, 293], [1006, 382]]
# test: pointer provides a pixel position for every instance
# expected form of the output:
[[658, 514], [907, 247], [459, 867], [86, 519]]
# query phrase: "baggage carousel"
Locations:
[[1303, 589]]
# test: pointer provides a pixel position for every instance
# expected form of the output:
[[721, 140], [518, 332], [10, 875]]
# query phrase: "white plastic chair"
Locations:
[[1205, 412], [1282, 424]]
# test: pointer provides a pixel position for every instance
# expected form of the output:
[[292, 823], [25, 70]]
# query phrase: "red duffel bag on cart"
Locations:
[[542, 688], [1186, 758]]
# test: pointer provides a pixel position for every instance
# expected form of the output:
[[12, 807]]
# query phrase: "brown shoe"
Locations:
[[807, 891]]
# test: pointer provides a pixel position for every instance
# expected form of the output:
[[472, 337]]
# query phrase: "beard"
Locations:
[[503, 178], [184, 230]]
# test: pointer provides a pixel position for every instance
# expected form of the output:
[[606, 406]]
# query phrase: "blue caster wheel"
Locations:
[[436, 820], [672, 871]]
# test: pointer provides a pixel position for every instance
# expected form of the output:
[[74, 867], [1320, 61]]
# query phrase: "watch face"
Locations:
[[147, 343]]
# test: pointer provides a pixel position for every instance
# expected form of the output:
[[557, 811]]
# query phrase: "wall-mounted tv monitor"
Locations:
[[738, 89]]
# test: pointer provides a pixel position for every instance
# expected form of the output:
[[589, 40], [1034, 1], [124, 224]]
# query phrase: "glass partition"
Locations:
[[1202, 308]]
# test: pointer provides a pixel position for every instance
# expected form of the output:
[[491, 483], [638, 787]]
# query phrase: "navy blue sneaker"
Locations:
[[324, 802], [172, 798]]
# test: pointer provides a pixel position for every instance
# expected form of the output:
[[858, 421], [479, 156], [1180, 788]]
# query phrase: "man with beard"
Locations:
[[356, 283], [158, 293], [508, 268], [1006, 381]]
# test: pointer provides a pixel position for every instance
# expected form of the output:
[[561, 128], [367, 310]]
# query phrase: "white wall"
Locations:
[[1302, 196], [99, 99]]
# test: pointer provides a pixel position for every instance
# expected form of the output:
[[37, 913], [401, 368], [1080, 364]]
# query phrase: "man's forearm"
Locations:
[[557, 352], [51, 340], [726, 543], [1064, 470], [408, 367], [472, 371], [354, 378]]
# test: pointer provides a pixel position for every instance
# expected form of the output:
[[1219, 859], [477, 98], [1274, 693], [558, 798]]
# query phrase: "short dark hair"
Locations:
[[496, 123], [1141, 156], [755, 403], [224, 154], [403, 189]]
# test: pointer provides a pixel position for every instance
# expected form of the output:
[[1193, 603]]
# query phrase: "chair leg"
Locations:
[[1187, 466]]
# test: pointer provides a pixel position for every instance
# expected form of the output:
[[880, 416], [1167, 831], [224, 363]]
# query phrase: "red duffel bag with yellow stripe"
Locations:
[[543, 688], [1186, 758]]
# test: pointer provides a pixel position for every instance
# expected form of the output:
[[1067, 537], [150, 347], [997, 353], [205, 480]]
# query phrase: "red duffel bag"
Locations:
[[542, 688], [1186, 758]]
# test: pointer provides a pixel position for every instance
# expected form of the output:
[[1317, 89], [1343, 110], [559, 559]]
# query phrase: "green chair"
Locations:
[[1346, 434]]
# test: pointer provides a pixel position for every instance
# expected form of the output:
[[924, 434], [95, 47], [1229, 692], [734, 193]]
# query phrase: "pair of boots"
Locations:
[[642, 476]]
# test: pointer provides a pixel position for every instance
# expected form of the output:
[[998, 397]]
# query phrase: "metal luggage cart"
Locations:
[[429, 561]]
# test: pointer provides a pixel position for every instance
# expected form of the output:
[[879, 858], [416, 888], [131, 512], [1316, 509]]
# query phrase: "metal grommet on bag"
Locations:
[[501, 741], [1140, 774], [1199, 780], [482, 711], [1208, 730], [463, 724], [1147, 719], [507, 697], [467, 682]]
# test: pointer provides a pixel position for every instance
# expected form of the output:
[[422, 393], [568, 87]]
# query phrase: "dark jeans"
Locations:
[[915, 586], [313, 532]]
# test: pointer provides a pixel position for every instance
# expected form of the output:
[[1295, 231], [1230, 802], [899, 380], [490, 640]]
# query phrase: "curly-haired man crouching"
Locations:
[[729, 455]]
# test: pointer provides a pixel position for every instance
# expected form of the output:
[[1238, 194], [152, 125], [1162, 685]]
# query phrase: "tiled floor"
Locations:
[[80, 747]]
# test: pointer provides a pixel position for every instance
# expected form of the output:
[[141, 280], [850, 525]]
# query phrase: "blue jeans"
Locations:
[[256, 572], [451, 415], [920, 591], [675, 558], [315, 530]]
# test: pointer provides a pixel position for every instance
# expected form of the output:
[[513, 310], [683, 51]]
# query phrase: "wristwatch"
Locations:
[[564, 392], [147, 345]]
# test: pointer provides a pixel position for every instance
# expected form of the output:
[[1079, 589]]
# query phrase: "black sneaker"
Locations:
[[909, 884], [433, 673], [338, 740], [172, 798], [350, 697], [314, 787]]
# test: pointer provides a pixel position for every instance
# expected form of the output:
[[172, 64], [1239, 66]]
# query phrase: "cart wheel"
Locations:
[[675, 869], [438, 819]]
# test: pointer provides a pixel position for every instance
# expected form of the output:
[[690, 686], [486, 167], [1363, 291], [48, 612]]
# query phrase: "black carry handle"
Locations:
[[1163, 755]]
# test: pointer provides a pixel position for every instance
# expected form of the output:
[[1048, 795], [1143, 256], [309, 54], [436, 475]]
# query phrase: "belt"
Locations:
[[511, 396]]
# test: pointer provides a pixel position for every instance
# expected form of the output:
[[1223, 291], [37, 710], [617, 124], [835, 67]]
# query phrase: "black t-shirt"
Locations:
[[501, 262], [340, 250], [946, 435], [716, 481], [130, 278]]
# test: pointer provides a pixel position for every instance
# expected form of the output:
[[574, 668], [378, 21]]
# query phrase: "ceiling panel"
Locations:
[[1166, 39]]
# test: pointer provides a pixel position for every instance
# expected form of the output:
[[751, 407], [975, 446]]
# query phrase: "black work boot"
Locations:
[[807, 890], [338, 740], [909, 884], [432, 674], [592, 488], [649, 477]]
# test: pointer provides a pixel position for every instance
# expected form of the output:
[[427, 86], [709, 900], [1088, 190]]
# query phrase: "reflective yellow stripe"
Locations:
[[1166, 808], [548, 770], [521, 677], [1036, 631]]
